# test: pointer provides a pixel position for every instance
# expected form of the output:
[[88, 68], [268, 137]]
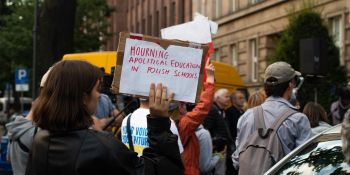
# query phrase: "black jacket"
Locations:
[[88, 152], [215, 123], [232, 116]]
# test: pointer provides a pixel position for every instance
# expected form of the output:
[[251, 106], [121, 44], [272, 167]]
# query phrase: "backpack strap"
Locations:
[[260, 123], [22, 145], [285, 114], [128, 130], [259, 117]]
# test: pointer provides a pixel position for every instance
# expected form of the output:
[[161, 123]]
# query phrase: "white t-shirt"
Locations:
[[138, 127]]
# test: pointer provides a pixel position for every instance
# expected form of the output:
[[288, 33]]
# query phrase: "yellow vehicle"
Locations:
[[226, 75], [106, 60]]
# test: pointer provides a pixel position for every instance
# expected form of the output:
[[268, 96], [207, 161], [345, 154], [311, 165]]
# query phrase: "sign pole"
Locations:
[[35, 47], [9, 95], [21, 101], [21, 79]]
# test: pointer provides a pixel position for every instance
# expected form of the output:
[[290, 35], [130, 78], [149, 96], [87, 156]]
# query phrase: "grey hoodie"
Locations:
[[207, 161], [22, 129]]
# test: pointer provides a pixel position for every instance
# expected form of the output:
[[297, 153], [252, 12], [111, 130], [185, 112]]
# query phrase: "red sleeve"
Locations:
[[189, 123]]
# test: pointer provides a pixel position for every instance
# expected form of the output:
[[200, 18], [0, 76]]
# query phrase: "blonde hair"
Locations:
[[256, 99]]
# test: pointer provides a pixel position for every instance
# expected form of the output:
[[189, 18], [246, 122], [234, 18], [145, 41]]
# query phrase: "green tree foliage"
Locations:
[[4, 10], [16, 39], [308, 24], [91, 25]]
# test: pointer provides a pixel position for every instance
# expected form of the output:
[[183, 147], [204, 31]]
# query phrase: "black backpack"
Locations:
[[150, 162]]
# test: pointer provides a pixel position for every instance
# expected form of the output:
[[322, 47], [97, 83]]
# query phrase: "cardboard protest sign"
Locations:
[[144, 59]]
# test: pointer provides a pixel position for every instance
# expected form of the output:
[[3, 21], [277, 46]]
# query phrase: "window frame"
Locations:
[[339, 43], [254, 58]]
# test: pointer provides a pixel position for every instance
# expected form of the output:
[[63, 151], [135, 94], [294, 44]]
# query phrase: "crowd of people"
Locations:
[[65, 131]]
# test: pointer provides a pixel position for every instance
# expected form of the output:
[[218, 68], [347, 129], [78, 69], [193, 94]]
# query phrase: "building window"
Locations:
[[137, 27], [181, 11], [143, 25], [254, 60], [165, 16], [215, 56], [255, 1], [199, 6], [233, 5], [204, 7], [234, 56], [337, 34], [217, 8], [149, 25], [156, 24], [172, 14]]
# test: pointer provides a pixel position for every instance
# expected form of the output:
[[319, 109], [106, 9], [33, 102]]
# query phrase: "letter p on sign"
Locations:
[[22, 78]]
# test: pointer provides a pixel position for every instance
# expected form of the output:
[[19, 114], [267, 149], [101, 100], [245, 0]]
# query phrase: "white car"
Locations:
[[322, 154]]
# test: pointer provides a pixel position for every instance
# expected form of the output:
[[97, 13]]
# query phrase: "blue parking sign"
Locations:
[[22, 78]]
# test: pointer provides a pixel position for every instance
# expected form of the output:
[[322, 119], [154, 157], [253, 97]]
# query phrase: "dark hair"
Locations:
[[315, 113], [275, 90], [60, 105], [233, 95], [344, 93]]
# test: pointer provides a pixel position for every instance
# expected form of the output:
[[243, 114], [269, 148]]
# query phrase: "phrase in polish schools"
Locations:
[[145, 62]]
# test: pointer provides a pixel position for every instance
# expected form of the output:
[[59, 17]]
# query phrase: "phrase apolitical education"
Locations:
[[148, 56]]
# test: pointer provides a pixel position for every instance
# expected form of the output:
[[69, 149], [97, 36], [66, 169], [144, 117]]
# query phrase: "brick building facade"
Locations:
[[146, 16], [118, 22]]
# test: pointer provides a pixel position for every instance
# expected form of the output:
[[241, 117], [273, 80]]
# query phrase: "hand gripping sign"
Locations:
[[144, 59]]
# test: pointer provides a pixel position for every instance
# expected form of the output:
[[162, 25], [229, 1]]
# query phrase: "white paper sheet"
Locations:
[[199, 30]]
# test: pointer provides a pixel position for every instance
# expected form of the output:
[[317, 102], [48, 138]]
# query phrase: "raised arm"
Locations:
[[163, 144], [194, 118]]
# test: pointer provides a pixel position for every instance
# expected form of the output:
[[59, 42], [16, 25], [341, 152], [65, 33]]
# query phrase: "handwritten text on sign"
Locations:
[[145, 62]]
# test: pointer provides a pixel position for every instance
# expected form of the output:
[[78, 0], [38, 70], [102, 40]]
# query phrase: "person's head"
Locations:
[[315, 113], [256, 99], [144, 103], [238, 99], [280, 79], [176, 110], [345, 136], [34, 102], [222, 98], [69, 98], [344, 96]]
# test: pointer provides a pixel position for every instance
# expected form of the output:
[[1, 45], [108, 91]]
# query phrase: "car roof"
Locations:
[[333, 132]]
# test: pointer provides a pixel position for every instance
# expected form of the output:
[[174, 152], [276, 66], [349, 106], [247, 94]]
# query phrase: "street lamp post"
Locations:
[[35, 32]]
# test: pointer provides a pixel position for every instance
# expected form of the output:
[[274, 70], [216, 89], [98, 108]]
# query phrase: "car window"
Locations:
[[324, 156]]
